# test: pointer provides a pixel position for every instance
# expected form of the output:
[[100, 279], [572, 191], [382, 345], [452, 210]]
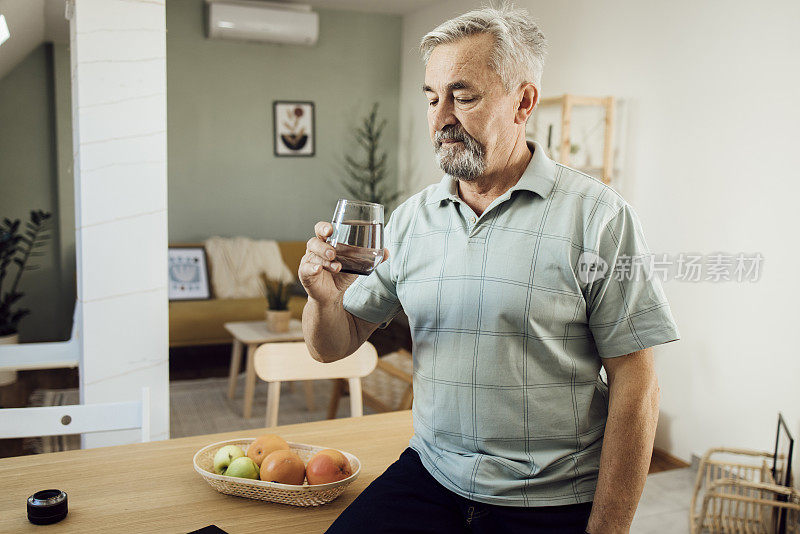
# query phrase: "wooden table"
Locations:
[[153, 487], [252, 334]]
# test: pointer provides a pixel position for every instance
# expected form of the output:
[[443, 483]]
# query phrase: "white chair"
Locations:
[[77, 419], [50, 355], [281, 362]]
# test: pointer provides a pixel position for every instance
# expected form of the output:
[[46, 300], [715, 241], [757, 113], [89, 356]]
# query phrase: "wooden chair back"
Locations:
[[281, 362]]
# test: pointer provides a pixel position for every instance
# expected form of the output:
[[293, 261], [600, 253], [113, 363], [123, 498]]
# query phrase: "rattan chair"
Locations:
[[736, 491], [733, 505]]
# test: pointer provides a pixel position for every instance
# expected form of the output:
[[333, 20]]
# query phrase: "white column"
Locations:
[[118, 62]]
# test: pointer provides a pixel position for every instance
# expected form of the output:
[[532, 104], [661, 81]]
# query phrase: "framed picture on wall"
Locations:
[[188, 274], [294, 128]]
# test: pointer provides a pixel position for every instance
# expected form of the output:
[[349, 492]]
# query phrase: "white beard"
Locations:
[[464, 161]]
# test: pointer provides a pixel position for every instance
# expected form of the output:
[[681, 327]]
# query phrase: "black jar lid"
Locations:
[[47, 506]]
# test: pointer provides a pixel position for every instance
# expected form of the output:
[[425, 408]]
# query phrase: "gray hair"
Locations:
[[520, 46]]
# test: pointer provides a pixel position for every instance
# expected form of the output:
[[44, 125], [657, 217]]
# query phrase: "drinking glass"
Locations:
[[357, 235]]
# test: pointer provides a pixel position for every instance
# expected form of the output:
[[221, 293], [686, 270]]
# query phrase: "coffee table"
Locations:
[[252, 334]]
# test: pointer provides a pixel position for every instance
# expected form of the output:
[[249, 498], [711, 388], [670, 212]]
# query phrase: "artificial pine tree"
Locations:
[[366, 178]]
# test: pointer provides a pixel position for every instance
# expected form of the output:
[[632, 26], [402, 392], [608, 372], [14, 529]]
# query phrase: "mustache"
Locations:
[[456, 133]]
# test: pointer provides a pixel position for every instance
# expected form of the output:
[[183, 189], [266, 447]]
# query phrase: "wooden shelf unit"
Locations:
[[567, 102]]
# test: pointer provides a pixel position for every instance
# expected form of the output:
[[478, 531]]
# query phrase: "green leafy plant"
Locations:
[[276, 292], [366, 178], [18, 248]]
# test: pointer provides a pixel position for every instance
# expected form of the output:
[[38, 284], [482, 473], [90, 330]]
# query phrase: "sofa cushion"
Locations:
[[292, 253], [201, 322]]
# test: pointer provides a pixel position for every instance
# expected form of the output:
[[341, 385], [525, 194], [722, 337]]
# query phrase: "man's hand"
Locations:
[[330, 332], [319, 272], [627, 442]]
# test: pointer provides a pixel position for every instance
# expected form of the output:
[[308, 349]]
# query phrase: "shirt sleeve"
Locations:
[[627, 308], [374, 297]]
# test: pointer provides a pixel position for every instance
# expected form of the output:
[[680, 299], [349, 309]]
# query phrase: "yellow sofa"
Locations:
[[200, 322]]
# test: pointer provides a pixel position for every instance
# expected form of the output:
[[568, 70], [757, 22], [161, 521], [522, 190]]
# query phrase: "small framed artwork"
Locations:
[[188, 274], [294, 128]]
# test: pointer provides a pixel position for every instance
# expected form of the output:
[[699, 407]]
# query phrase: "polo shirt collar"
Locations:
[[539, 177]]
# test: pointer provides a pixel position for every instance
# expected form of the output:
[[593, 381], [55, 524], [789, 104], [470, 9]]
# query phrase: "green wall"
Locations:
[[28, 180], [223, 177]]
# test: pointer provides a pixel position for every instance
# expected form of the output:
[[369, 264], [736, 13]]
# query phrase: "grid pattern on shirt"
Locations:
[[508, 404]]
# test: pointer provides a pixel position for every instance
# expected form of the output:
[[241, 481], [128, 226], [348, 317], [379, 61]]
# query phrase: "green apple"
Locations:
[[243, 467], [225, 456]]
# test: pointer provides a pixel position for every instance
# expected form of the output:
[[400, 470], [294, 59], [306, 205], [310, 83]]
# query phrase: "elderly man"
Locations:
[[505, 269]]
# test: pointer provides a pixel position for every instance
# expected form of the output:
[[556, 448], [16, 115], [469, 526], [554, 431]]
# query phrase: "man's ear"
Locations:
[[527, 97]]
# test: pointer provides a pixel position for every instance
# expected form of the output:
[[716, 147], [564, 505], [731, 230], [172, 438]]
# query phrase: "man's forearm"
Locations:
[[625, 457], [329, 330]]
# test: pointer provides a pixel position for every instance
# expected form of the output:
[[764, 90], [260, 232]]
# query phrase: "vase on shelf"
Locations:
[[8, 377], [278, 320]]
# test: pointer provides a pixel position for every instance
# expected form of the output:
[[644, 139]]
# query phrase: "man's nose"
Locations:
[[442, 115]]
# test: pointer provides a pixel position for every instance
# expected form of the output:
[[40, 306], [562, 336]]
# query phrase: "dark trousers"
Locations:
[[406, 498]]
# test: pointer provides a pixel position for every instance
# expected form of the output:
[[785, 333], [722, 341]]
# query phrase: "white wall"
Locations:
[[120, 140], [712, 133]]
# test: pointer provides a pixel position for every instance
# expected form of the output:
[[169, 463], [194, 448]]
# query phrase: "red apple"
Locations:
[[328, 465]]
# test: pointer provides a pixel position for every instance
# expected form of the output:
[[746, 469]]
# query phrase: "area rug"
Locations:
[[202, 407]]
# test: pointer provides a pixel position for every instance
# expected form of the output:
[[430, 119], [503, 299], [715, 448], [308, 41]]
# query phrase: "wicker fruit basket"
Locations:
[[304, 495]]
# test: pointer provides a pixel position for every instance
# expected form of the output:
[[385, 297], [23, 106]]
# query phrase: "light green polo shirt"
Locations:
[[509, 321]]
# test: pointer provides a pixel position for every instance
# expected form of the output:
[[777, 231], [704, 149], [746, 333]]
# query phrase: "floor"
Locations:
[[664, 506], [201, 406]]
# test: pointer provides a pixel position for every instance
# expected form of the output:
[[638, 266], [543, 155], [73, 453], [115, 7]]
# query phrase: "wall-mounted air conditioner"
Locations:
[[262, 21]]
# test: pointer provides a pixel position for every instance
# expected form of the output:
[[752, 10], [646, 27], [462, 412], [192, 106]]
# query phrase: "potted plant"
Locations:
[[17, 248], [277, 314]]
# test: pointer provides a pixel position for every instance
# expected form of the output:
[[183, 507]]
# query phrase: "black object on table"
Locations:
[[47, 506]]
